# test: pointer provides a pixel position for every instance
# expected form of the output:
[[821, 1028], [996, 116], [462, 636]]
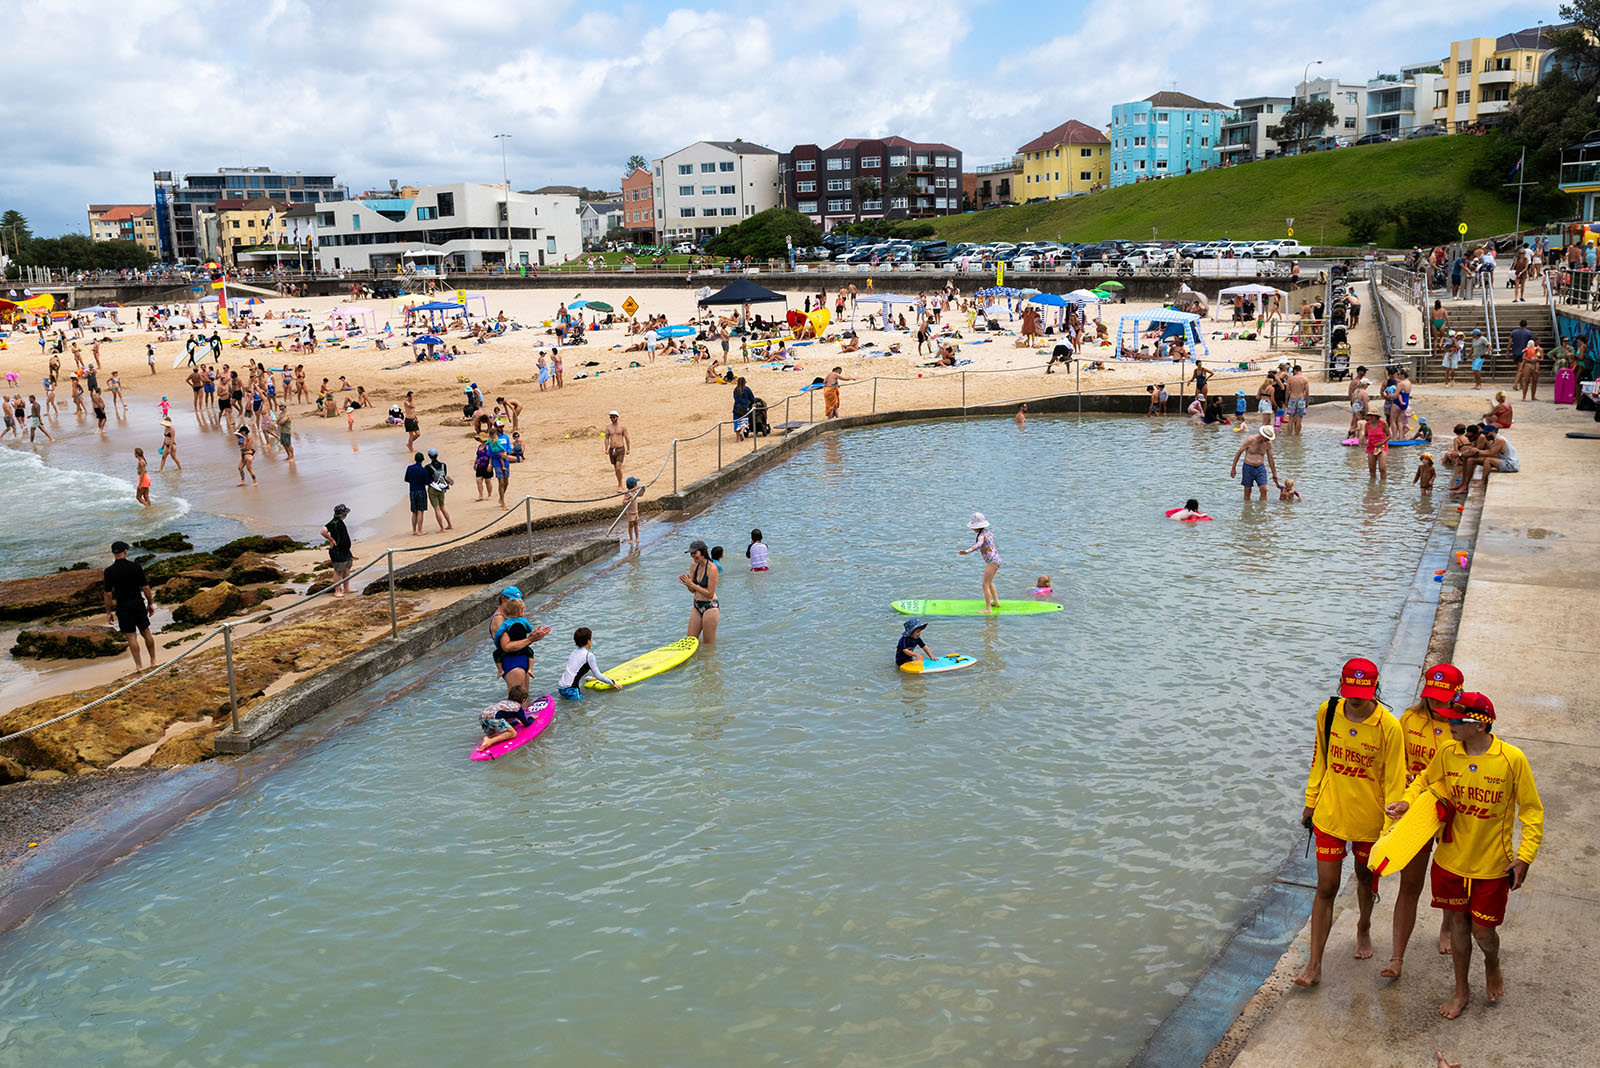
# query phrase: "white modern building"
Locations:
[[596, 219], [462, 226], [1399, 103], [709, 186], [1349, 105], [1245, 136]]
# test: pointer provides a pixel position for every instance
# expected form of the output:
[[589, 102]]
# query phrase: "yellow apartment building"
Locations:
[[1072, 158]]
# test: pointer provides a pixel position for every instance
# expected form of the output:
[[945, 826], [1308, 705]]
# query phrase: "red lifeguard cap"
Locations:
[[1359, 679]]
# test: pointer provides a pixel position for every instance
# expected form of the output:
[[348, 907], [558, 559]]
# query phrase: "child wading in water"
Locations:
[[581, 662], [911, 639], [756, 551], [1289, 493], [1425, 473], [501, 721], [632, 500], [984, 543]]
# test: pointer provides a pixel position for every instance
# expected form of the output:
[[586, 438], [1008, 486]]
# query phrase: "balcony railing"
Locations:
[[1580, 173]]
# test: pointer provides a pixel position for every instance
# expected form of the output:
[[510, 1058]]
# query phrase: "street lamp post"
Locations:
[[1305, 93], [506, 177]]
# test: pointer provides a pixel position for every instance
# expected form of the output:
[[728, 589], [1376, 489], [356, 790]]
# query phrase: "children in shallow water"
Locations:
[[501, 721], [1289, 493]]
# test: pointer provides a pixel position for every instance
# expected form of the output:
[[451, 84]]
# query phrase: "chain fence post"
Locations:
[[1077, 370], [813, 396], [719, 444], [233, 691], [394, 619], [963, 393], [527, 515], [786, 411], [674, 466]]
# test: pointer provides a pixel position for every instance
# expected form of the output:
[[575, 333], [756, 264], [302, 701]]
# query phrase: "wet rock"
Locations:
[[264, 545], [11, 771], [81, 565], [220, 600], [184, 586], [64, 593], [166, 543], [173, 566], [253, 567], [83, 642]]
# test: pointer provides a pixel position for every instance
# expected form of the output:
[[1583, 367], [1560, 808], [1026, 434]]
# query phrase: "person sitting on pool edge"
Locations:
[[912, 639], [501, 721], [581, 662]]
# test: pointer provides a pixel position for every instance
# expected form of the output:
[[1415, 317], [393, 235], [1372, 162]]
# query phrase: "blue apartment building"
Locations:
[[1165, 133]]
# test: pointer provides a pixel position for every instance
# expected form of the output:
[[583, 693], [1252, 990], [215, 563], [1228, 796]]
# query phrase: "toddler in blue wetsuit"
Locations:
[[912, 639], [581, 662]]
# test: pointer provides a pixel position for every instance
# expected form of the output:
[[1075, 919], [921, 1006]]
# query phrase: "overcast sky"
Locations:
[[99, 95]]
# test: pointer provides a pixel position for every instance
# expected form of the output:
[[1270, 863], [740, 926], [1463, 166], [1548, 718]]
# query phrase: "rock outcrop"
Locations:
[[82, 642], [65, 593]]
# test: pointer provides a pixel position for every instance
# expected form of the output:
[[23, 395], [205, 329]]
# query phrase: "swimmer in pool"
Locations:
[[1289, 492], [701, 582], [1043, 585]]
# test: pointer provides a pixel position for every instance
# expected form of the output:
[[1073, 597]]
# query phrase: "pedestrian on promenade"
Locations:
[[1487, 785], [1357, 767]]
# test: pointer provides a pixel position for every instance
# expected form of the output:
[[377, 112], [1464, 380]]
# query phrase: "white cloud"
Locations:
[[102, 94]]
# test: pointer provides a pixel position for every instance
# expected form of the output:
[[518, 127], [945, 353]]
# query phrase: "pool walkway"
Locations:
[[1530, 611]]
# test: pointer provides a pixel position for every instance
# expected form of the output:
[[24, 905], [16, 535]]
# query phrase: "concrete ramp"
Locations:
[[257, 290]]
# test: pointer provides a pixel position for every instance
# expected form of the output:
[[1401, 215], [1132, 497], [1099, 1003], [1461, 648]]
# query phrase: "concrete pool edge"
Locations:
[[1238, 991]]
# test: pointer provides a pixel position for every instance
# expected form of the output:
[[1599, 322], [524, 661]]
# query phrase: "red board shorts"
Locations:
[[1484, 899], [1331, 848]]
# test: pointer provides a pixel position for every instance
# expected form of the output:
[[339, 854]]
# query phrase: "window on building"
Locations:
[[1350, 122], [805, 187], [922, 160], [708, 190], [1463, 96], [685, 213], [1205, 142], [1350, 98], [355, 222], [897, 202], [686, 168], [839, 205], [805, 164], [686, 190], [1138, 164], [871, 163], [897, 161], [1083, 176], [875, 204], [447, 205], [725, 165], [808, 207], [730, 211], [708, 168], [1161, 164], [1464, 67], [1161, 116], [1161, 142], [1527, 62], [1027, 179], [424, 214], [1085, 152], [1493, 93], [1139, 142], [835, 185], [708, 211]]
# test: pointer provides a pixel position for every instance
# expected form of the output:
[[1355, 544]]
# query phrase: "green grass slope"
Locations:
[[1252, 201]]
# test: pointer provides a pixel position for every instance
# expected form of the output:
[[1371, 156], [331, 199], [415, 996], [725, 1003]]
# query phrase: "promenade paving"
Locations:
[[1526, 632]]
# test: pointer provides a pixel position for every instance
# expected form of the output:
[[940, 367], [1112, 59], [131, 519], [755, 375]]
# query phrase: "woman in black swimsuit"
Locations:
[[702, 582]]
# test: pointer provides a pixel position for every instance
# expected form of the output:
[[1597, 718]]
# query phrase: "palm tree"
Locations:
[[865, 188]]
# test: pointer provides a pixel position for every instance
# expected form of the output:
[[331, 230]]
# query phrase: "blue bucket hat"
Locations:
[[913, 625], [511, 593]]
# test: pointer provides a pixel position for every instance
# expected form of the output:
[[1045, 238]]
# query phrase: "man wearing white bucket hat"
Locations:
[[1258, 459], [984, 543]]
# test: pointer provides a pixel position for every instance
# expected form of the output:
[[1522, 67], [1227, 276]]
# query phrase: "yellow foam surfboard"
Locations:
[[1410, 833], [652, 663]]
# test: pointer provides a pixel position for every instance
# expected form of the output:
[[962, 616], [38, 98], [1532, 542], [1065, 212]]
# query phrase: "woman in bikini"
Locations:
[[701, 581], [142, 494]]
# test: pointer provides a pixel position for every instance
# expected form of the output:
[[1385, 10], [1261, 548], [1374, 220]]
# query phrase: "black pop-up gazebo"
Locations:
[[744, 292]]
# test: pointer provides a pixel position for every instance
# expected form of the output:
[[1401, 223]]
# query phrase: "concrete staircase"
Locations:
[[1467, 315]]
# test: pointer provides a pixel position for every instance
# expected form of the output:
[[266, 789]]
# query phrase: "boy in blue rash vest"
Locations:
[[500, 459], [912, 639], [581, 662]]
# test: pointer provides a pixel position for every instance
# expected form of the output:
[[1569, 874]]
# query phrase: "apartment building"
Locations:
[[639, 204], [125, 222], [460, 226], [242, 225], [1399, 103], [1349, 101], [1163, 134], [871, 178], [1481, 74], [1070, 159], [704, 188], [1245, 136], [179, 204], [989, 184]]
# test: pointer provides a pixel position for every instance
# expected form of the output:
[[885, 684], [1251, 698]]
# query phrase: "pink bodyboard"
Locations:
[[544, 710]]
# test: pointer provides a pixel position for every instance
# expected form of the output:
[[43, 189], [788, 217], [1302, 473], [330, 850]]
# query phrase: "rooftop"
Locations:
[[1071, 132], [1535, 37], [119, 212], [894, 142], [748, 148], [1172, 99]]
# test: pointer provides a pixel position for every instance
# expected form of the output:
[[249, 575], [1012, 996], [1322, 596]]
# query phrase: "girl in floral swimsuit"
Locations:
[[984, 544]]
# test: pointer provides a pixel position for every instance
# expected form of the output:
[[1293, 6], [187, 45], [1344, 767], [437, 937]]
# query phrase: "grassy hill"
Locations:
[[1251, 202]]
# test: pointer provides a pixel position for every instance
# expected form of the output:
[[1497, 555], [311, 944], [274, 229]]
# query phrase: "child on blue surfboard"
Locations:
[[912, 639]]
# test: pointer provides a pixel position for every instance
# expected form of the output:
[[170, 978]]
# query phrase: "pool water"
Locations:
[[785, 851]]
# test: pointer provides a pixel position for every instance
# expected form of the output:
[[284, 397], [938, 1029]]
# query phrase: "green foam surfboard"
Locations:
[[972, 608]]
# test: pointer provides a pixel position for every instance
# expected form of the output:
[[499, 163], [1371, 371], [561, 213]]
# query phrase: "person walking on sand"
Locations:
[[617, 445], [439, 474], [983, 543], [1358, 766], [744, 398], [417, 479], [36, 419], [1423, 729], [830, 391], [1487, 785], [412, 426], [129, 603], [1258, 460], [247, 453], [286, 431], [701, 582], [337, 535]]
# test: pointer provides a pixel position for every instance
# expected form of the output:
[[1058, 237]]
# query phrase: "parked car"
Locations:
[[685, 248], [1425, 131], [385, 290], [1285, 246], [1373, 139]]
